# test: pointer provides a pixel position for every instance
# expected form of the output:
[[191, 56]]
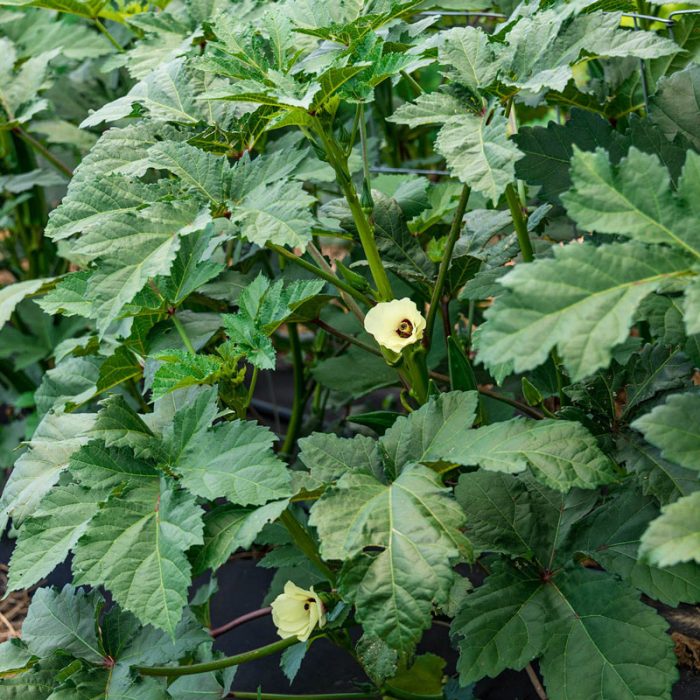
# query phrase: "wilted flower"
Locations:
[[296, 612], [395, 324]]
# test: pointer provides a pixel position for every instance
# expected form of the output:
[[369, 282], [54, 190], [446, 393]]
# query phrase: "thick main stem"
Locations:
[[237, 660], [338, 162], [455, 230], [519, 223]]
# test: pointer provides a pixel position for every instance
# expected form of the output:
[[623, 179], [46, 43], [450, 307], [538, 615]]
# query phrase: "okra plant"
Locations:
[[473, 240]]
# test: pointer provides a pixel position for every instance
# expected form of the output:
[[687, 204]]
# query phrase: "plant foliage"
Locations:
[[198, 196]]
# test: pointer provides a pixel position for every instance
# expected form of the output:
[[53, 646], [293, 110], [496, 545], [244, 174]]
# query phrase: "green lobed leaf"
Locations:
[[632, 199], [415, 523], [13, 294], [54, 441], [65, 620], [228, 528], [561, 454], [674, 537], [501, 624], [663, 480], [422, 435], [611, 535], [479, 153], [549, 150], [427, 108], [118, 425], [96, 466], [674, 427], [615, 645], [470, 57], [675, 105], [46, 538], [180, 369], [234, 460], [328, 457], [582, 301], [135, 546], [500, 514], [14, 656]]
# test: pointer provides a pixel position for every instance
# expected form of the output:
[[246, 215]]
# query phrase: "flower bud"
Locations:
[[296, 612], [395, 324]]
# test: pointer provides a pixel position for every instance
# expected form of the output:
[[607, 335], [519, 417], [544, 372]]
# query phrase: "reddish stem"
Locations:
[[254, 615]]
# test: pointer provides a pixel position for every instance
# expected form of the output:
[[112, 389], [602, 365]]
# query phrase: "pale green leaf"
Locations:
[[69, 384], [56, 438], [65, 620], [479, 152], [561, 454], [582, 301], [428, 108], [632, 199], [328, 456], [235, 460], [68, 297], [167, 94], [13, 294], [674, 537], [46, 538], [14, 655], [674, 427], [470, 56], [422, 436]]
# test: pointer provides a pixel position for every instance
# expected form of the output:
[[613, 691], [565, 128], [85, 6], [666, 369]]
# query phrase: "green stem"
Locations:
[[251, 388], [299, 391], [519, 223], [363, 145], [320, 696], [133, 389], [416, 373], [323, 274], [306, 544], [43, 151], [347, 338], [412, 82], [455, 230], [245, 657], [339, 163], [109, 36], [183, 334], [316, 254]]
